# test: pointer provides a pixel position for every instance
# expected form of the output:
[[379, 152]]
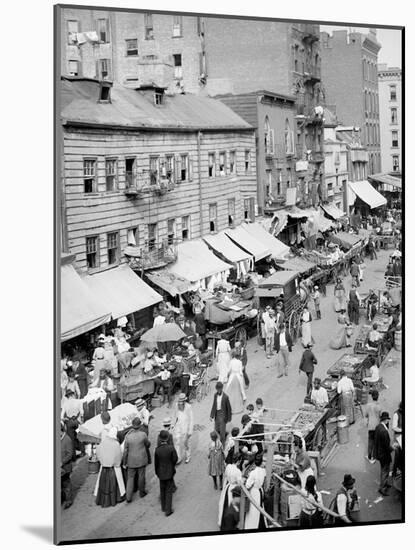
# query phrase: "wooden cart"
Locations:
[[352, 364]]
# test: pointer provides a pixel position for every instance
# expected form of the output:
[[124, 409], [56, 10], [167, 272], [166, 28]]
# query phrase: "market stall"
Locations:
[[121, 418]]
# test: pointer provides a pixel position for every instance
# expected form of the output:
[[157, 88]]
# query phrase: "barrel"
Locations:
[[398, 340], [93, 466], [342, 429]]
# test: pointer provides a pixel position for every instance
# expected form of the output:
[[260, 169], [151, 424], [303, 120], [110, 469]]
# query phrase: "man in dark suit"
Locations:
[[66, 467], [165, 460], [230, 518], [283, 346], [307, 363], [382, 451], [136, 458], [221, 411]]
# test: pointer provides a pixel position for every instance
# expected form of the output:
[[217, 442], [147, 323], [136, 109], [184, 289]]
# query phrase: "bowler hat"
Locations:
[[348, 481], [164, 435], [136, 423], [384, 416], [140, 403], [182, 398]]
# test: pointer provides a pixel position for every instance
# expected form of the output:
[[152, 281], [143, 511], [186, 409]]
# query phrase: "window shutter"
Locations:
[[217, 160], [107, 30], [178, 174], [190, 168]]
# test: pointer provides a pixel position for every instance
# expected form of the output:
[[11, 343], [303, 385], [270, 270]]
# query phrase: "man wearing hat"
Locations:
[[167, 426], [135, 458], [143, 414], [382, 451], [283, 347], [308, 360], [183, 429], [269, 328], [221, 411], [230, 518], [344, 500], [316, 298], [165, 460]]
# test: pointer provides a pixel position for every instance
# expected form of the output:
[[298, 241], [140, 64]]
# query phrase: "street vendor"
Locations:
[[371, 302], [345, 389], [72, 414], [302, 462], [374, 337], [373, 378], [319, 396]]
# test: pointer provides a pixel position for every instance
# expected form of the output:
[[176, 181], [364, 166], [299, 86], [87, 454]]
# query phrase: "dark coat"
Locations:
[[308, 361], [66, 454], [136, 446], [226, 407], [169, 441], [230, 519], [165, 460], [382, 449], [200, 323], [288, 339]]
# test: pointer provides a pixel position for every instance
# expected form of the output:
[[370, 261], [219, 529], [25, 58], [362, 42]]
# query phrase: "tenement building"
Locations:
[[390, 102]]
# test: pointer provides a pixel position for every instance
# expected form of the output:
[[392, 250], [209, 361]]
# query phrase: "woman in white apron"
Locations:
[[233, 478], [235, 386], [223, 356], [306, 337], [109, 488], [255, 484]]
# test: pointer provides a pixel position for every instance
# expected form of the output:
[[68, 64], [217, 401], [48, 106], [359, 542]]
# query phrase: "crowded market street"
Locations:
[[195, 501]]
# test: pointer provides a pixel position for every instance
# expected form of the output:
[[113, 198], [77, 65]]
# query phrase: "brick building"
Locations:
[[390, 105], [349, 72], [335, 162], [208, 56]]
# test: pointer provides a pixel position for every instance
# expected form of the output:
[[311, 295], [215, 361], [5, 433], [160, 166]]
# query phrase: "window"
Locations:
[[112, 248], [92, 252], [132, 236], [177, 25], [171, 231], [246, 209], [231, 212], [394, 115], [211, 165], [222, 163], [130, 166], [392, 90], [131, 46], [73, 29], [89, 176], [247, 161], [105, 92], [110, 174], [103, 30], [296, 65], [232, 165], [154, 170], [288, 138], [177, 61], [73, 67], [185, 228], [269, 138], [279, 184], [103, 68], [152, 236], [170, 168], [148, 26], [213, 217], [395, 138], [395, 163], [158, 98], [184, 167]]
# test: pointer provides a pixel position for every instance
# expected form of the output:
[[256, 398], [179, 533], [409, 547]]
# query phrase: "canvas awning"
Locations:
[[367, 193], [122, 291], [346, 240], [171, 283], [81, 310], [278, 249], [387, 179], [280, 218], [301, 265], [196, 262], [224, 246], [332, 211], [279, 278], [249, 243]]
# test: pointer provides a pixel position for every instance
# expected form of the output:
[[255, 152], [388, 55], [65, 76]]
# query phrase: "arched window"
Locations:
[[268, 137], [288, 138]]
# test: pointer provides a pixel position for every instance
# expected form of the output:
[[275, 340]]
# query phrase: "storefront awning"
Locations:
[[171, 283], [280, 218], [278, 249], [249, 243], [332, 211], [81, 311], [122, 291], [346, 240], [224, 246], [196, 262], [387, 179], [367, 193]]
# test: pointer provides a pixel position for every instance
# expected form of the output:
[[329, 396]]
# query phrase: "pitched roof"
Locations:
[[133, 109]]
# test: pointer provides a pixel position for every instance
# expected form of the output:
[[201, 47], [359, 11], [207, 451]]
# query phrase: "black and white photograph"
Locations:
[[229, 299]]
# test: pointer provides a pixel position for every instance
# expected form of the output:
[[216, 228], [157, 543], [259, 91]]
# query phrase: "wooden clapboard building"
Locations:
[[148, 170]]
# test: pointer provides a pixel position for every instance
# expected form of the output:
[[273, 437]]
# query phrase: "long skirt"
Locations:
[[340, 340], [340, 303], [216, 466], [254, 519], [108, 490], [223, 366], [347, 406], [234, 391], [306, 334], [224, 500]]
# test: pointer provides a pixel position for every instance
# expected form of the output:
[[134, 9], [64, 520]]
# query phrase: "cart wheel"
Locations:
[[241, 335], [320, 438], [293, 324]]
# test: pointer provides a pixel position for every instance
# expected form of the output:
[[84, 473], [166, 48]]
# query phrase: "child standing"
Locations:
[[216, 458], [316, 298]]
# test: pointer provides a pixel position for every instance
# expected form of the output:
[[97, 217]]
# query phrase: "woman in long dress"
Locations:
[[233, 478], [339, 296], [216, 458], [235, 386], [109, 488], [344, 333], [223, 356], [306, 337], [255, 483]]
